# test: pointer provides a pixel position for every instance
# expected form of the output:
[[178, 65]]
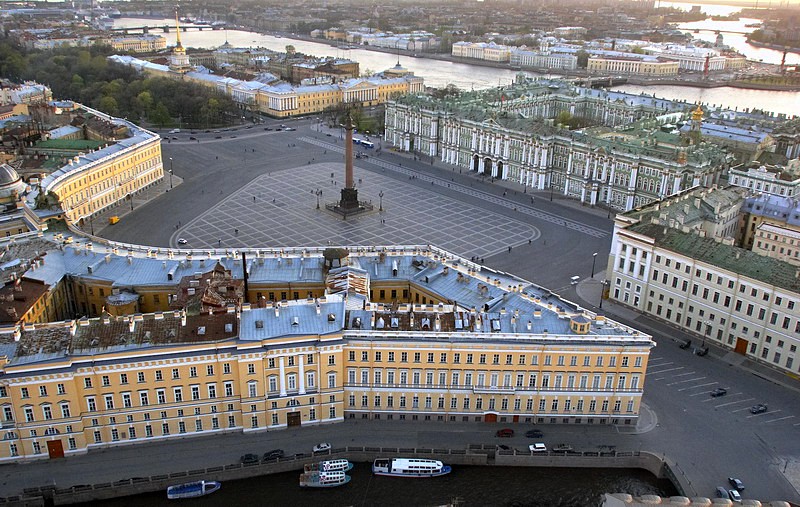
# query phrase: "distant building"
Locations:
[[144, 43], [488, 51], [29, 92], [543, 59], [778, 180], [633, 65]]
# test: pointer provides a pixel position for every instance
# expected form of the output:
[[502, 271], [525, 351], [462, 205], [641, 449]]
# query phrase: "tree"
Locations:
[[159, 115], [583, 58], [108, 104]]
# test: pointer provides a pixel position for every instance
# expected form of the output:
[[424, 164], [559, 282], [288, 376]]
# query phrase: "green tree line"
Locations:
[[86, 75]]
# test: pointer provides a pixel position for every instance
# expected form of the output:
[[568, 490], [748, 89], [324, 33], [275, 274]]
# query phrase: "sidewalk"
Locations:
[[126, 207], [588, 291]]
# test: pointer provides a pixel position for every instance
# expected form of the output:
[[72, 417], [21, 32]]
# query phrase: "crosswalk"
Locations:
[[470, 191]]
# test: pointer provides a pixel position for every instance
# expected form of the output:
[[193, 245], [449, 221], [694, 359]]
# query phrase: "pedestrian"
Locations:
[[254, 198], [529, 241], [509, 248], [219, 242], [236, 231], [504, 193]]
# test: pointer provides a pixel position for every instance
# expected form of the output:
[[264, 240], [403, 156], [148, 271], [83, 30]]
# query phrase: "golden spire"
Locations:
[[177, 31]]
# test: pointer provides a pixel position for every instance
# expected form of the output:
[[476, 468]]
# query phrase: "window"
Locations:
[[212, 390], [126, 400], [228, 389], [252, 389], [65, 410], [192, 371], [195, 392], [251, 369], [42, 391], [143, 398], [109, 401], [210, 369], [123, 378], [226, 368], [159, 376]]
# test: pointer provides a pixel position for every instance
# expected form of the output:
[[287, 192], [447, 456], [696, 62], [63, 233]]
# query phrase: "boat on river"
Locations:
[[331, 465], [409, 467], [192, 489], [323, 479]]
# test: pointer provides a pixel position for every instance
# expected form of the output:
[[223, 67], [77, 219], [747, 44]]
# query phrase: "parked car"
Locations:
[[563, 447], [537, 447], [758, 409], [720, 391], [322, 447], [182, 241], [735, 496], [504, 447], [505, 433], [722, 492], [249, 459], [736, 483], [534, 434], [192, 138], [273, 454]]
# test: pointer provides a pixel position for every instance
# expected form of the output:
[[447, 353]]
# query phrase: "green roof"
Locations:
[[730, 258], [70, 144]]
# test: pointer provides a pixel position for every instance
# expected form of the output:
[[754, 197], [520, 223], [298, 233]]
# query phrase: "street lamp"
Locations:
[[551, 184], [318, 193], [603, 286], [594, 259], [380, 195], [706, 333], [170, 172]]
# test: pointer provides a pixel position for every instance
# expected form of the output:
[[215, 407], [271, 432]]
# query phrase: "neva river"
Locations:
[[439, 74]]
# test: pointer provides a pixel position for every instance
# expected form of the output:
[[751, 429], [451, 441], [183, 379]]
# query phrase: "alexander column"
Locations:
[[349, 202]]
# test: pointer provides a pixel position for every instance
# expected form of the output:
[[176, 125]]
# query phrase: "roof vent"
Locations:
[[259, 324], [331, 317]]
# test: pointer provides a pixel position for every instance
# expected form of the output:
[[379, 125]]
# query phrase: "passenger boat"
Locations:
[[409, 467], [331, 465], [323, 479], [192, 489]]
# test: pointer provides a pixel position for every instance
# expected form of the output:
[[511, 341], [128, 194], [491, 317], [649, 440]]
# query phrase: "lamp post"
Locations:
[[603, 286], [706, 332], [551, 184], [130, 199], [170, 172], [380, 195], [594, 259], [318, 193]]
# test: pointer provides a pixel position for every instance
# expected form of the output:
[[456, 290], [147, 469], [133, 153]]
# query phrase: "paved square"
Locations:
[[279, 209]]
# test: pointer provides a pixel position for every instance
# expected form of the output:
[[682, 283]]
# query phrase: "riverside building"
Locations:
[[624, 160], [179, 343]]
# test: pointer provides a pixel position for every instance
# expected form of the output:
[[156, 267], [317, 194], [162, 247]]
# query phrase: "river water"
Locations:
[[476, 486], [441, 73]]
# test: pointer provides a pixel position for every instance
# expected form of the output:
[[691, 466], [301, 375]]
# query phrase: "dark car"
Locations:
[[720, 391], [192, 138], [736, 483], [273, 454], [505, 433], [722, 492], [249, 459], [217, 137], [534, 434], [758, 409], [267, 128], [503, 447]]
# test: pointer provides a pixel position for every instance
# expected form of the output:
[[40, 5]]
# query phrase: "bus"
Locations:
[[367, 144], [356, 141]]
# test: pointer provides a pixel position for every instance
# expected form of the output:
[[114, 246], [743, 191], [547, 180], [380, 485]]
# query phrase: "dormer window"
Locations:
[[295, 321], [331, 317], [426, 323], [395, 322], [357, 323]]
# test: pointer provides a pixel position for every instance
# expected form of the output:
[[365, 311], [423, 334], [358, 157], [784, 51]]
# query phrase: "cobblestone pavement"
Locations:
[[277, 211]]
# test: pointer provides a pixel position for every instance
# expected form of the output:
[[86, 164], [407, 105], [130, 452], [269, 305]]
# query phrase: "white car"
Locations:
[[324, 446], [182, 241], [538, 447]]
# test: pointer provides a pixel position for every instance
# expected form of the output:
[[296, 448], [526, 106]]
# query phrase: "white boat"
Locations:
[[192, 489], [323, 479], [409, 467], [331, 465]]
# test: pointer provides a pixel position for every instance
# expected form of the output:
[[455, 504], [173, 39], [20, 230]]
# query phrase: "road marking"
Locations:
[[650, 364], [660, 378], [687, 380], [695, 387], [734, 403], [669, 369], [780, 419], [684, 374]]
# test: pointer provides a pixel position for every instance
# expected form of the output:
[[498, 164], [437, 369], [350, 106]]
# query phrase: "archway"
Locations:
[[499, 170], [487, 167], [476, 163]]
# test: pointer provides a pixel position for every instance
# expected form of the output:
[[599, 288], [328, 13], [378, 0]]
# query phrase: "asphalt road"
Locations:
[[710, 438]]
